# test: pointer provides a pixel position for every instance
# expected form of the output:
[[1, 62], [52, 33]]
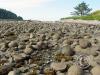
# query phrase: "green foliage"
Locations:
[[5, 14], [73, 17], [96, 13], [81, 10], [93, 16]]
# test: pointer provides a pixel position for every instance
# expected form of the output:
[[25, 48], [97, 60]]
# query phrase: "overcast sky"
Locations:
[[45, 9]]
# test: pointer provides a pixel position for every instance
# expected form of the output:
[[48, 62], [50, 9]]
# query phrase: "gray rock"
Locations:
[[67, 50]]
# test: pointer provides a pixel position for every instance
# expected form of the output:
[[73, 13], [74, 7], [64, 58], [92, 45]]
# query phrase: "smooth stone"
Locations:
[[91, 60], [13, 44], [17, 58], [96, 70], [12, 73], [84, 43], [58, 66], [75, 70], [67, 50]]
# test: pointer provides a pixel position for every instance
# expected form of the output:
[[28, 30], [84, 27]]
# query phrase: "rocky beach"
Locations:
[[49, 48]]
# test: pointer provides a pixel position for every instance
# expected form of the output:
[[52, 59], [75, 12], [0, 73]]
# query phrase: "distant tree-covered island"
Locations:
[[8, 15]]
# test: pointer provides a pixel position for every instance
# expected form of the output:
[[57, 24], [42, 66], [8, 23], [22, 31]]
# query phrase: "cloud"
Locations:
[[18, 4]]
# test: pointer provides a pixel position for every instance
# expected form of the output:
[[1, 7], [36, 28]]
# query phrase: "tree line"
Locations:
[[5, 14]]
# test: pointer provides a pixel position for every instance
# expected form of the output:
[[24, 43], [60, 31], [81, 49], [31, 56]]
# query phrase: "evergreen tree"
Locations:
[[5, 14], [81, 9]]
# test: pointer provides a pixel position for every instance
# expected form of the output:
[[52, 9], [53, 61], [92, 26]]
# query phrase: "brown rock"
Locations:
[[49, 71]]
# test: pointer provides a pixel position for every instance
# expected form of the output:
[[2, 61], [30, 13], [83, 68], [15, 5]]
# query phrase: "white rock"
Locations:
[[12, 73], [31, 36]]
